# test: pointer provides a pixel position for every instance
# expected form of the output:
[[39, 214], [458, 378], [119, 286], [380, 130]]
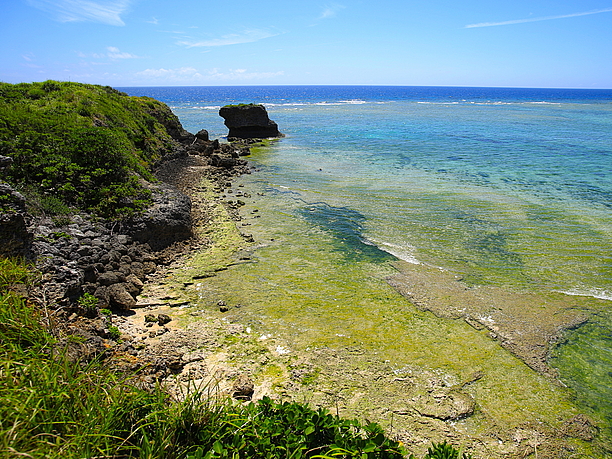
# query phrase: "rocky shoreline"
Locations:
[[140, 325], [91, 271]]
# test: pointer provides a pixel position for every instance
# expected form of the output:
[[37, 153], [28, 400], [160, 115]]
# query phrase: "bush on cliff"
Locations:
[[52, 407], [82, 145]]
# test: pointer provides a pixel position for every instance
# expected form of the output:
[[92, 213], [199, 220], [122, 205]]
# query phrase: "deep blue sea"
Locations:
[[505, 187]]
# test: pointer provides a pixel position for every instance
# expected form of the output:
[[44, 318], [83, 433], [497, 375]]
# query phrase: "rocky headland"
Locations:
[[87, 263]]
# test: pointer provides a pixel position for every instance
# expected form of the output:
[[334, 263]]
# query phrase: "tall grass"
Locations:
[[52, 407]]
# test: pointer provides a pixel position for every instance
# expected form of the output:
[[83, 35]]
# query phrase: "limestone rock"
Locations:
[[248, 122], [119, 297], [449, 405], [202, 134], [167, 221], [15, 237]]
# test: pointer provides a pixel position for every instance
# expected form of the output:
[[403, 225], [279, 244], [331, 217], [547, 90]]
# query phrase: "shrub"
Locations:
[[86, 146]]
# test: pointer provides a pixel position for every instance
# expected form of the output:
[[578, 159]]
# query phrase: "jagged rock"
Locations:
[[150, 318], [202, 134], [110, 278], [163, 319], [248, 122], [167, 221], [119, 297], [14, 234], [223, 161]]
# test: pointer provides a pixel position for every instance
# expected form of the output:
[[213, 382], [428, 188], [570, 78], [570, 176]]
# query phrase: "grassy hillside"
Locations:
[[83, 146]]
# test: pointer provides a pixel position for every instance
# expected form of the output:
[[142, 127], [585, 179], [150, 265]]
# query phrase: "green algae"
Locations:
[[306, 292], [585, 362], [222, 239], [316, 290]]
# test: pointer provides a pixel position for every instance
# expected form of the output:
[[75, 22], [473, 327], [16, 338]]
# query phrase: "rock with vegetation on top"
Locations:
[[248, 121]]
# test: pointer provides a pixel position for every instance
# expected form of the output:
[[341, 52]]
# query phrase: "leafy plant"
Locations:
[[88, 302], [114, 332], [444, 451]]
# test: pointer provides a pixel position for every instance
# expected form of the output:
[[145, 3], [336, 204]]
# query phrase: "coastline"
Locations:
[[230, 309], [218, 345]]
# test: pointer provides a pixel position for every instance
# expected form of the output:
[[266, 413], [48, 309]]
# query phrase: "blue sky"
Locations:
[[558, 43]]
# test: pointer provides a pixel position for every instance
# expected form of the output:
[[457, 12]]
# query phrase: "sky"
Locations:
[[519, 43]]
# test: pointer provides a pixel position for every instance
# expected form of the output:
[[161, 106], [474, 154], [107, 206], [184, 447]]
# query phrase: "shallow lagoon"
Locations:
[[508, 189]]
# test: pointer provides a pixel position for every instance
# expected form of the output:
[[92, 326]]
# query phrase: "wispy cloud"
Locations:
[[331, 10], [178, 74], [545, 18], [112, 53], [192, 75], [248, 36], [103, 11]]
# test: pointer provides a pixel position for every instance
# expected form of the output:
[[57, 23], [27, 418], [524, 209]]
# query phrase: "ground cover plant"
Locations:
[[53, 407], [79, 145]]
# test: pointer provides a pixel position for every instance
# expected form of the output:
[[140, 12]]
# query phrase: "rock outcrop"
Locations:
[[166, 221], [248, 121], [14, 234]]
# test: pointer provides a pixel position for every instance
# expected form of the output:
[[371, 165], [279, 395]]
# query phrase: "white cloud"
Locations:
[[103, 11], [331, 10], [192, 75], [546, 18], [241, 75], [112, 52], [170, 74], [248, 36]]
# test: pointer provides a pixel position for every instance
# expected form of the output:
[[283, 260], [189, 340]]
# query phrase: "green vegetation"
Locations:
[[83, 146], [241, 105], [88, 302], [53, 408]]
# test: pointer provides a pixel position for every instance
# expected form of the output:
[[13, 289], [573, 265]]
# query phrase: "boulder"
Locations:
[[202, 134], [243, 388], [5, 161], [15, 238], [167, 221], [248, 121]]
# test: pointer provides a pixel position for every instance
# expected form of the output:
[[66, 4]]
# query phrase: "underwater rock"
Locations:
[[446, 406]]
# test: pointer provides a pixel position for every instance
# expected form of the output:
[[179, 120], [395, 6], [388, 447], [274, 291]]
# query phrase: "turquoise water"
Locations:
[[504, 187]]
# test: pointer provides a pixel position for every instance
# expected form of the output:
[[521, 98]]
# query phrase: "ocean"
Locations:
[[507, 192]]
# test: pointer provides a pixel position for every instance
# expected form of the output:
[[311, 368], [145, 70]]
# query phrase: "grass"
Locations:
[[53, 407]]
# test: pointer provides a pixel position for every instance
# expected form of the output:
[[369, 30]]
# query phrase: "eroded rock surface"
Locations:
[[248, 121]]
